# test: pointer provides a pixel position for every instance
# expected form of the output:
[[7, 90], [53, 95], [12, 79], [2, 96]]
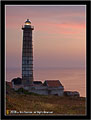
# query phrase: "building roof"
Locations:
[[27, 21], [53, 83], [17, 81], [37, 82]]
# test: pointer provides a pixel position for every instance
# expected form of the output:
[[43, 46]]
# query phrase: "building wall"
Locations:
[[16, 87], [57, 92], [42, 90], [46, 91]]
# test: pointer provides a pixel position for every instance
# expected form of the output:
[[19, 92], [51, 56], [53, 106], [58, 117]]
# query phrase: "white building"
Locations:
[[49, 87]]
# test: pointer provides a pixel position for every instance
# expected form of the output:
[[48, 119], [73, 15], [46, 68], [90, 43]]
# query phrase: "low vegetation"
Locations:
[[22, 100]]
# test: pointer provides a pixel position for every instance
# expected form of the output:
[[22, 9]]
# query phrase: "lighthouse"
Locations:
[[49, 87], [27, 54]]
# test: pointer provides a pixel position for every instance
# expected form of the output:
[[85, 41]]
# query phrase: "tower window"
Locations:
[[27, 61]]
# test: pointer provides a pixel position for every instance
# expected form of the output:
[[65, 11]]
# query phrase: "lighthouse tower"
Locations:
[[27, 54]]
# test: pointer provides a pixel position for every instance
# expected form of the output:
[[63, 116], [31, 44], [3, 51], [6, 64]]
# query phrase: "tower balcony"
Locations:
[[27, 27]]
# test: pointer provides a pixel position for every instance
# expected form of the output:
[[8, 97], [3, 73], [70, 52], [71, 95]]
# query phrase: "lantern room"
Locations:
[[28, 22]]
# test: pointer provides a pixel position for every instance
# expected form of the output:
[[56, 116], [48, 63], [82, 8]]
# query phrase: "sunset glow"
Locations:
[[59, 36]]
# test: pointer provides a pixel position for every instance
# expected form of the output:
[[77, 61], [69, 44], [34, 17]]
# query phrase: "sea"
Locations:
[[73, 79]]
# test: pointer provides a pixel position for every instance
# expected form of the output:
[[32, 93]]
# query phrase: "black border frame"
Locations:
[[87, 3]]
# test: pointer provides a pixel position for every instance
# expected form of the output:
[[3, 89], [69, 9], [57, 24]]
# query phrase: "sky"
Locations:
[[59, 35]]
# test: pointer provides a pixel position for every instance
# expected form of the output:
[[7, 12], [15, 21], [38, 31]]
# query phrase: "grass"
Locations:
[[25, 101]]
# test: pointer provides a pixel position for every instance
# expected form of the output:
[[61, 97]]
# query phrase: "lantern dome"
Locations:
[[28, 22]]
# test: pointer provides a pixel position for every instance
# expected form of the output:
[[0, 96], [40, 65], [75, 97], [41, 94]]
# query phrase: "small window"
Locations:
[[27, 61]]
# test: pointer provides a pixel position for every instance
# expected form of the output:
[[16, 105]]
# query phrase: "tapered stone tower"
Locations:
[[27, 54]]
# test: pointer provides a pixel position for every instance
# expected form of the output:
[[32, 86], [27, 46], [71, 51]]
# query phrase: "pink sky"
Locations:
[[59, 36]]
